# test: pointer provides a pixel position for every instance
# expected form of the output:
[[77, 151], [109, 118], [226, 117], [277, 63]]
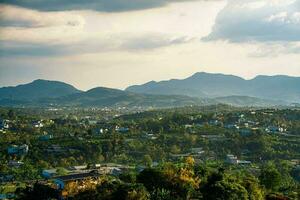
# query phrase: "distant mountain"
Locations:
[[101, 97], [244, 101], [200, 89], [284, 88], [35, 90]]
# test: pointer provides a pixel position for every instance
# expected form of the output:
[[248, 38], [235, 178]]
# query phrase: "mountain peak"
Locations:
[[38, 89]]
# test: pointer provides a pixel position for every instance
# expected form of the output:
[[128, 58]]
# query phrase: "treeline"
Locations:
[[180, 181]]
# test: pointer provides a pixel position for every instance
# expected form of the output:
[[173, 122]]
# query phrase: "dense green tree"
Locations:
[[270, 177], [37, 192]]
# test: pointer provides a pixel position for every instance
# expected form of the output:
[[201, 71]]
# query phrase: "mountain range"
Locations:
[[199, 89], [206, 85]]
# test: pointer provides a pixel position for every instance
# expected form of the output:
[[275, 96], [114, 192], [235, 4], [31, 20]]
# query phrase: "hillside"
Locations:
[[101, 97]]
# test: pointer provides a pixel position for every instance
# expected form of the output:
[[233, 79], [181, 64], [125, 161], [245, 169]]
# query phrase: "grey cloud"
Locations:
[[98, 5], [262, 24], [138, 43], [153, 42]]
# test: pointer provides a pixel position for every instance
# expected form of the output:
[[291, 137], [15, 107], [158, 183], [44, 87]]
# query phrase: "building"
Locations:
[[198, 150], [231, 126], [274, 129], [231, 159], [49, 173], [18, 150], [55, 149], [3, 124], [37, 124], [122, 129], [98, 131], [46, 137], [62, 181], [13, 163], [245, 132]]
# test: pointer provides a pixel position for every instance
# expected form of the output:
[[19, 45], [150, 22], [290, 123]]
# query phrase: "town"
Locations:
[[72, 150]]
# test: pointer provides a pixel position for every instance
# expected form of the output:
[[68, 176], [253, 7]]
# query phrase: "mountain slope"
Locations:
[[244, 101], [112, 97], [36, 90], [202, 84]]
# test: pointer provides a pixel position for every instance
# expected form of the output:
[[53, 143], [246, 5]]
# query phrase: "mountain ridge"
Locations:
[[209, 85], [45, 92]]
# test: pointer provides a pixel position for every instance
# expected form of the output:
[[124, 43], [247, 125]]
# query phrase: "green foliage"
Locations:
[[37, 192], [270, 177]]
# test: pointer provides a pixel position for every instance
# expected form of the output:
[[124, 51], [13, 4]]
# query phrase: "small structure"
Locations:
[[49, 173], [4, 124], [46, 137], [62, 181], [13, 163], [6, 177], [231, 159], [231, 126], [98, 131], [55, 149], [37, 124], [18, 150], [245, 132], [274, 129], [198, 150], [122, 129]]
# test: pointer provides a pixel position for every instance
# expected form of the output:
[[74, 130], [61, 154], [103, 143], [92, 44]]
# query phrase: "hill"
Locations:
[[284, 88], [102, 97], [35, 90]]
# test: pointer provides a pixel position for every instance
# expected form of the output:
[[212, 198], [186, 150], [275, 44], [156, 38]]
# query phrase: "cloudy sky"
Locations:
[[118, 43]]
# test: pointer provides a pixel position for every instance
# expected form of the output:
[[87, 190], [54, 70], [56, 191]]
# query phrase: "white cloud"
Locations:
[[74, 32], [258, 20]]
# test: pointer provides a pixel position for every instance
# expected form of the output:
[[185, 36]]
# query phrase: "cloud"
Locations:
[[117, 42], [26, 32], [97, 5], [12, 16], [258, 21]]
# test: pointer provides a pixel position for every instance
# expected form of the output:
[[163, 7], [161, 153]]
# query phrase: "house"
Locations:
[[49, 173], [188, 126], [150, 136], [122, 129], [245, 132], [18, 150], [231, 159], [198, 150], [4, 124], [92, 122], [244, 162], [45, 137], [55, 149], [13, 163], [98, 131], [214, 122], [6, 177], [37, 124], [214, 137], [62, 181], [231, 126], [274, 129]]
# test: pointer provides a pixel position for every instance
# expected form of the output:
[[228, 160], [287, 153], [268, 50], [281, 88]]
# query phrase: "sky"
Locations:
[[118, 43]]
